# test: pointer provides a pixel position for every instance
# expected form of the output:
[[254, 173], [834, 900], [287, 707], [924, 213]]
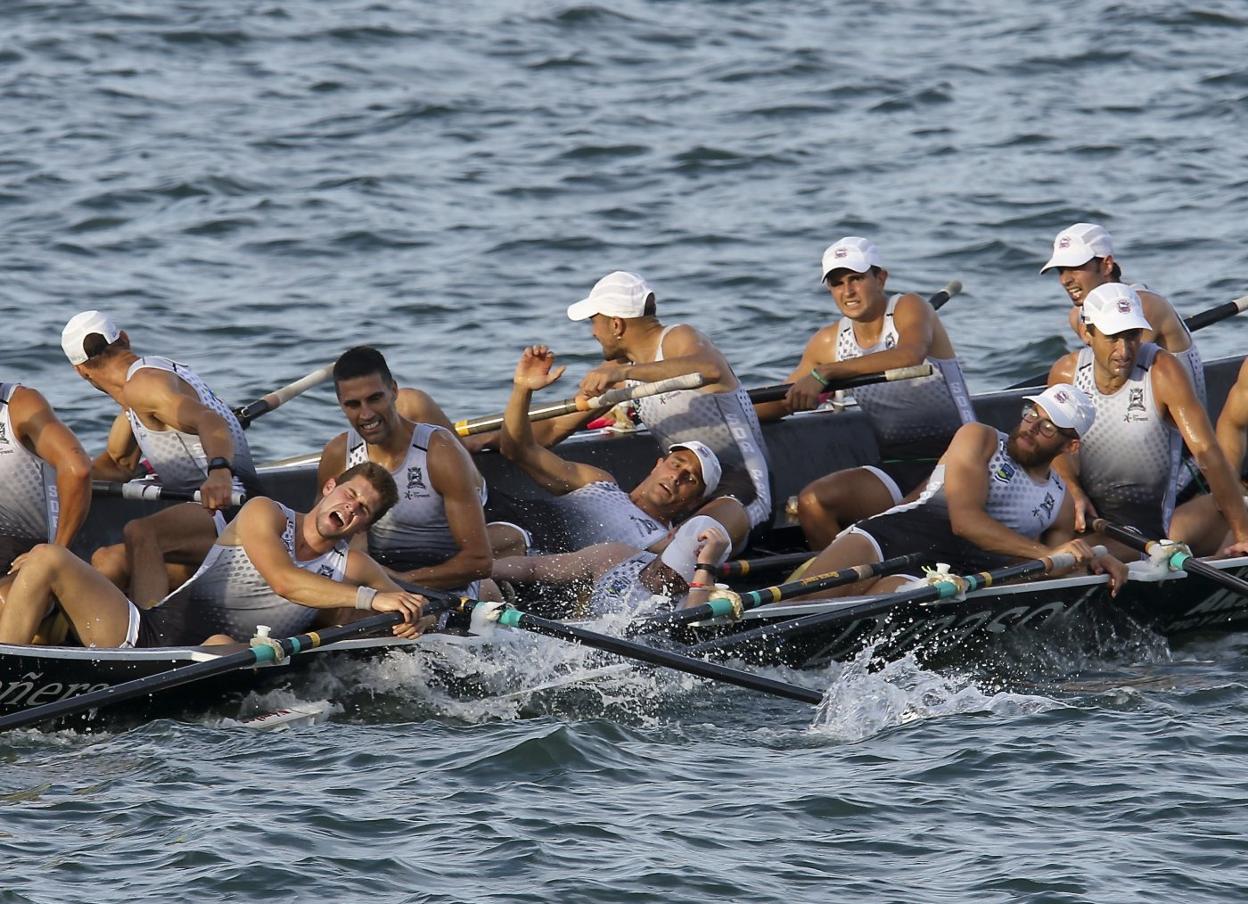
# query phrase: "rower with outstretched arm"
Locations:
[[912, 420]]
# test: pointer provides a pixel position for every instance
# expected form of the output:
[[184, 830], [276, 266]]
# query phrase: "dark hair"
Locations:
[[1116, 273], [650, 307], [875, 271], [97, 348], [361, 361], [380, 480]]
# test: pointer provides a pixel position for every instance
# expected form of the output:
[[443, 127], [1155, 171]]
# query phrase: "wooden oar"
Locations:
[[775, 393], [952, 586], [151, 491], [1195, 322], [737, 603], [1178, 556], [253, 656], [472, 426], [514, 618], [278, 397]]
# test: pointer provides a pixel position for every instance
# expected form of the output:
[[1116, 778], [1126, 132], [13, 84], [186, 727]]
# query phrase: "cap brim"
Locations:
[[1066, 259], [583, 309], [1061, 415]]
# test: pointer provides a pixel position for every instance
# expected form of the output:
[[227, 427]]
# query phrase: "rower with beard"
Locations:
[[189, 438], [638, 348], [992, 500], [912, 420], [271, 566], [1083, 255], [589, 506], [435, 536], [1127, 467]]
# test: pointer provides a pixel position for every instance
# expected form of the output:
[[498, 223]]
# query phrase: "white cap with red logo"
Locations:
[[1114, 308], [1078, 244], [850, 253], [1067, 406]]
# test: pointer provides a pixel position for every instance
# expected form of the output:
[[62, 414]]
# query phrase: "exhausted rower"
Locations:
[[912, 420], [1127, 466], [992, 500], [189, 438], [589, 506], [621, 578], [271, 566], [638, 348]]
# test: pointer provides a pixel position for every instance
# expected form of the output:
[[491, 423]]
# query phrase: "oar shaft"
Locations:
[[741, 567], [775, 393], [472, 426], [938, 300], [1180, 559], [151, 491], [278, 397]]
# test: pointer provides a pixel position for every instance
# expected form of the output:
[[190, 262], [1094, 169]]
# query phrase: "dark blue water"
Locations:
[[252, 187]]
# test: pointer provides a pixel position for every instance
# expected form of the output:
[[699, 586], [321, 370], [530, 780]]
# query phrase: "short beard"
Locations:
[[1031, 459]]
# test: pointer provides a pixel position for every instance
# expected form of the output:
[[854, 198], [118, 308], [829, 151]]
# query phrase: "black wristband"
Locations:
[[219, 462]]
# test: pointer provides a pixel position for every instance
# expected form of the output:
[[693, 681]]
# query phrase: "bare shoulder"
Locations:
[[1063, 369], [417, 405], [974, 440]]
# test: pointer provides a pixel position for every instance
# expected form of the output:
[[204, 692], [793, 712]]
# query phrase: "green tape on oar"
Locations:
[[1179, 558]]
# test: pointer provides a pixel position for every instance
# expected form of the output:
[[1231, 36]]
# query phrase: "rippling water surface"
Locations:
[[252, 187]]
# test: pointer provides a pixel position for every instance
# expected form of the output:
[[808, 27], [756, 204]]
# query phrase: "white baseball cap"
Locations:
[[618, 294], [850, 253], [681, 554], [81, 326], [711, 471], [1067, 406], [1114, 308], [1078, 244]]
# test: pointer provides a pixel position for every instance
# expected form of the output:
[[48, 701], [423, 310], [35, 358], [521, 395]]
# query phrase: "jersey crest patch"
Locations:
[[1003, 473], [1135, 406], [415, 482]]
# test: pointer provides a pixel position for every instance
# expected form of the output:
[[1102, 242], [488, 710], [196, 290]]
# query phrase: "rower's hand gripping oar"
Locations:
[[473, 426], [941, 587], [151, 491], [734, 605], [262, 652], [1176, 556], [278, 397], [775, 393], [1196, 322]]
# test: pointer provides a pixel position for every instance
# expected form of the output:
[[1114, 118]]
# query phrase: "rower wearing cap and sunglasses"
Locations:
[[991, 500], [1127, 465]]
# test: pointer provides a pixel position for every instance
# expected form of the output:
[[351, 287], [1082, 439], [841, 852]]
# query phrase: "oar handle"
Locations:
[[473, 426], [152, 492], [1179, 557], [952, 288], [741, 567], [775, 393], [1213, 315], [278, 397]]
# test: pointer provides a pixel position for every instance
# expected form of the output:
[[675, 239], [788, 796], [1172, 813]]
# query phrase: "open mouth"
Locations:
[[337, 519]]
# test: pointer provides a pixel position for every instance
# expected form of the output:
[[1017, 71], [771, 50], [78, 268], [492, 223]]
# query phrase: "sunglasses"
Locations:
[[1047, 428]]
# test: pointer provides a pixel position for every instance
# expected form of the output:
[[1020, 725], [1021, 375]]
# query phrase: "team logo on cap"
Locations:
[[840, 252], [1063, 242], [1124, 306], [1062, 395]]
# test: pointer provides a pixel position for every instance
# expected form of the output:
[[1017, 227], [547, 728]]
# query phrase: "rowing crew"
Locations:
[[715, 460]]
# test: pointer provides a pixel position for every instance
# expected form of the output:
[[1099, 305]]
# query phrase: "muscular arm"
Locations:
[[915, 321], [120, 458], [1233, 422], [453, 475], [1168, 330], [584, 564], [685, 351], [40, 431], [820, 349]]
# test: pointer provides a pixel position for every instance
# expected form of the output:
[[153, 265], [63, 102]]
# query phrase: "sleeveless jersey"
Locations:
[[27, 494], [1022, 504], [227, 595], [725, 422], [1190, 359], [1129, 459], [621, 590], [415, 533], [914, 418], [601, 512], [178, 458]]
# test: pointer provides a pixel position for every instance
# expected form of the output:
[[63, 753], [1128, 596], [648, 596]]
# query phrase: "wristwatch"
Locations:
[[219, 462]]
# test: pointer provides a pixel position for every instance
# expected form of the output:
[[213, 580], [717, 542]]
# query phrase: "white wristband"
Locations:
[[364, 597]]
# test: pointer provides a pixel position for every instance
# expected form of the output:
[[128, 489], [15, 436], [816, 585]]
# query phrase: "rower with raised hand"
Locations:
[[912, 420], [1083, 255], [638, 348], [589, 506], [45, 477], [1127, 467], [271, 566], [436, 535], [189, 437], [992, 499]]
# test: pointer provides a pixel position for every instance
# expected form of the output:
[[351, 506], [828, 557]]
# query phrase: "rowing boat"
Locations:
[[801, 448]]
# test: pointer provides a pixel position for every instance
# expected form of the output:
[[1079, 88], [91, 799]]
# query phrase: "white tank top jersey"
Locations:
[[415, 532], [227, 595], [27, 492], [914, 418], [601, 512], [1024, 505], [178, 458], [724, 421], [621, 590], [1190, 359], [1129, 459]]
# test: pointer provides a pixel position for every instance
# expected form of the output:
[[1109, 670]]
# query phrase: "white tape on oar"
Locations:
[[643, 390], [908, 373], [152, 492]]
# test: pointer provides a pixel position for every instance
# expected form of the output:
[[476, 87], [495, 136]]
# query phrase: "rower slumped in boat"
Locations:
[[912, 420], [189, 438], [1127, 466], [270, 566], [992, 499], [619, 577], [589, 506], [638, 348], [435, 535]]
